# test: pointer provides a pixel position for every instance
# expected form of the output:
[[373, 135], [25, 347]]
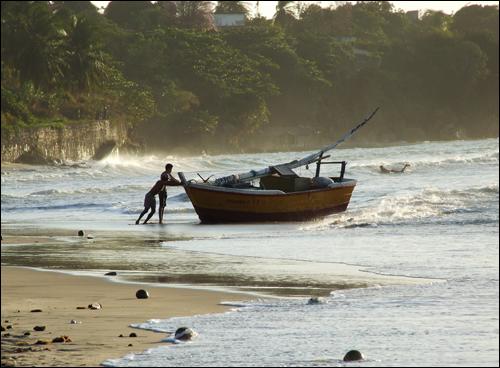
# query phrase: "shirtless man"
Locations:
[[150, 201], [167, 177], [388, 171]]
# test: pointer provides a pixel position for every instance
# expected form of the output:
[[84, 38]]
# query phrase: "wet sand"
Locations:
[[96, 338]]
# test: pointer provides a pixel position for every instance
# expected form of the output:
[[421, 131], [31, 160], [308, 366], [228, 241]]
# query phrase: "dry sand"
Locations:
[[96, 338]]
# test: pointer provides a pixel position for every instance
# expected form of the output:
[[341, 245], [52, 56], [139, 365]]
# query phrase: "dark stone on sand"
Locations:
[[132, 334], [3, 329], [81, 308], [6, 321], [39, 328], [6, 334], [112, 273], [35, 310], [95, 306], [184, 333], [130, 345], [61, 339], [90, 236], [353, 355], [9, 327], [81, 233], [142, 294], [27, 333], [42, 342], [120, 335]]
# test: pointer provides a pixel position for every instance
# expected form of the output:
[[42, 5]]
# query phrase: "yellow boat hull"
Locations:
[[221, 205]]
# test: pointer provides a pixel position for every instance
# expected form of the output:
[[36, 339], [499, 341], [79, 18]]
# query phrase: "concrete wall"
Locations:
[[73, 142]]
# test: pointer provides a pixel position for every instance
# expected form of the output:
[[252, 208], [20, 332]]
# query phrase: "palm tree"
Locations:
[[85, 58], [284, 13], [33, 42]]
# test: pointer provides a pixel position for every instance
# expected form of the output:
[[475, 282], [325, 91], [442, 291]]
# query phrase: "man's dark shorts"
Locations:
[[163, 198], [149, 201]]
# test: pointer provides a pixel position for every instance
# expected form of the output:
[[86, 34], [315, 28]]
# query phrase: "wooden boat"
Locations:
[[279, 195], [219, 204]]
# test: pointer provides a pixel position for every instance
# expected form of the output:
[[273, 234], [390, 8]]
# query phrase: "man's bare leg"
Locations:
[[140, 216], [149, 216]]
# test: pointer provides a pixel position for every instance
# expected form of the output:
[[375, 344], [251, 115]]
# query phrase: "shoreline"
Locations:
[[96, 339]]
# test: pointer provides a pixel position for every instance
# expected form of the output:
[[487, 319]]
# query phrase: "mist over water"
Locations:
[[412, 263]]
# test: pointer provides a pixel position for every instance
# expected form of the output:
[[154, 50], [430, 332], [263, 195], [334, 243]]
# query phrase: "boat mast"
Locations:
[[253, 174]]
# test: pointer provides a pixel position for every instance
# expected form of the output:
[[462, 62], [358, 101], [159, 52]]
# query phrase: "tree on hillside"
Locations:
[[126, 13], [284, 15], [231, 7], [33, 42], [86, 66], [76, 6], [476, 18], [195, 14]]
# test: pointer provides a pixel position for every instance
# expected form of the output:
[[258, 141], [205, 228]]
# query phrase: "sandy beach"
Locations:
[[96, 338]]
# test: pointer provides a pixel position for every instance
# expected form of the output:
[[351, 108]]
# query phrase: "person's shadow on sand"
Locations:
[[384, 170]]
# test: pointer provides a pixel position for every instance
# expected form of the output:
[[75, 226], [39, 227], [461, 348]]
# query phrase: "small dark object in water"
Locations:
[[184, 333], [39, 328], [142, 294], [35, 310], [81, 233], [132, 334], [353, 355], [112, 273]]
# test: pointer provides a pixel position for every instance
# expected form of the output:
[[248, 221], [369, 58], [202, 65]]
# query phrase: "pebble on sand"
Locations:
[[95, 306], [112, 273], [132, 334], [75, 322], [27, 333], [130, 345], [353, 355], [9, 327], [81, 308], [142, 294], [81, 233], [3, 329], [39, 328], [89, 236], [35, 310]]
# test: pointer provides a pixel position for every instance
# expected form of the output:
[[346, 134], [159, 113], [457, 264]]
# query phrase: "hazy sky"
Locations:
[[267, 8]]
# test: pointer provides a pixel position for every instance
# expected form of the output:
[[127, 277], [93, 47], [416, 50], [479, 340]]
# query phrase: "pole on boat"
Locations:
[[253, 174]]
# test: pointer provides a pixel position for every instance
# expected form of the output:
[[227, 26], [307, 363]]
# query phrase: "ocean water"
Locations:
[[409, 273]]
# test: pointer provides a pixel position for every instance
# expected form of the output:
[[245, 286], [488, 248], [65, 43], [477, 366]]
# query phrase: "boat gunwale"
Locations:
[[250, 192]]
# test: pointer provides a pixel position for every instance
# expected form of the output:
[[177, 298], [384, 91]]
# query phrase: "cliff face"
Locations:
[[73, 142]]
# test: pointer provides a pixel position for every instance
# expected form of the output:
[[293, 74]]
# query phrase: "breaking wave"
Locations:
[[428, 206]]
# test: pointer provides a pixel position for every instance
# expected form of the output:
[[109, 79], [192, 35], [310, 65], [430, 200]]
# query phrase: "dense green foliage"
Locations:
[[302, 78]]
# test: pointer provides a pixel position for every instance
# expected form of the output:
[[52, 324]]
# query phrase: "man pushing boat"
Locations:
[[166, 179]]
